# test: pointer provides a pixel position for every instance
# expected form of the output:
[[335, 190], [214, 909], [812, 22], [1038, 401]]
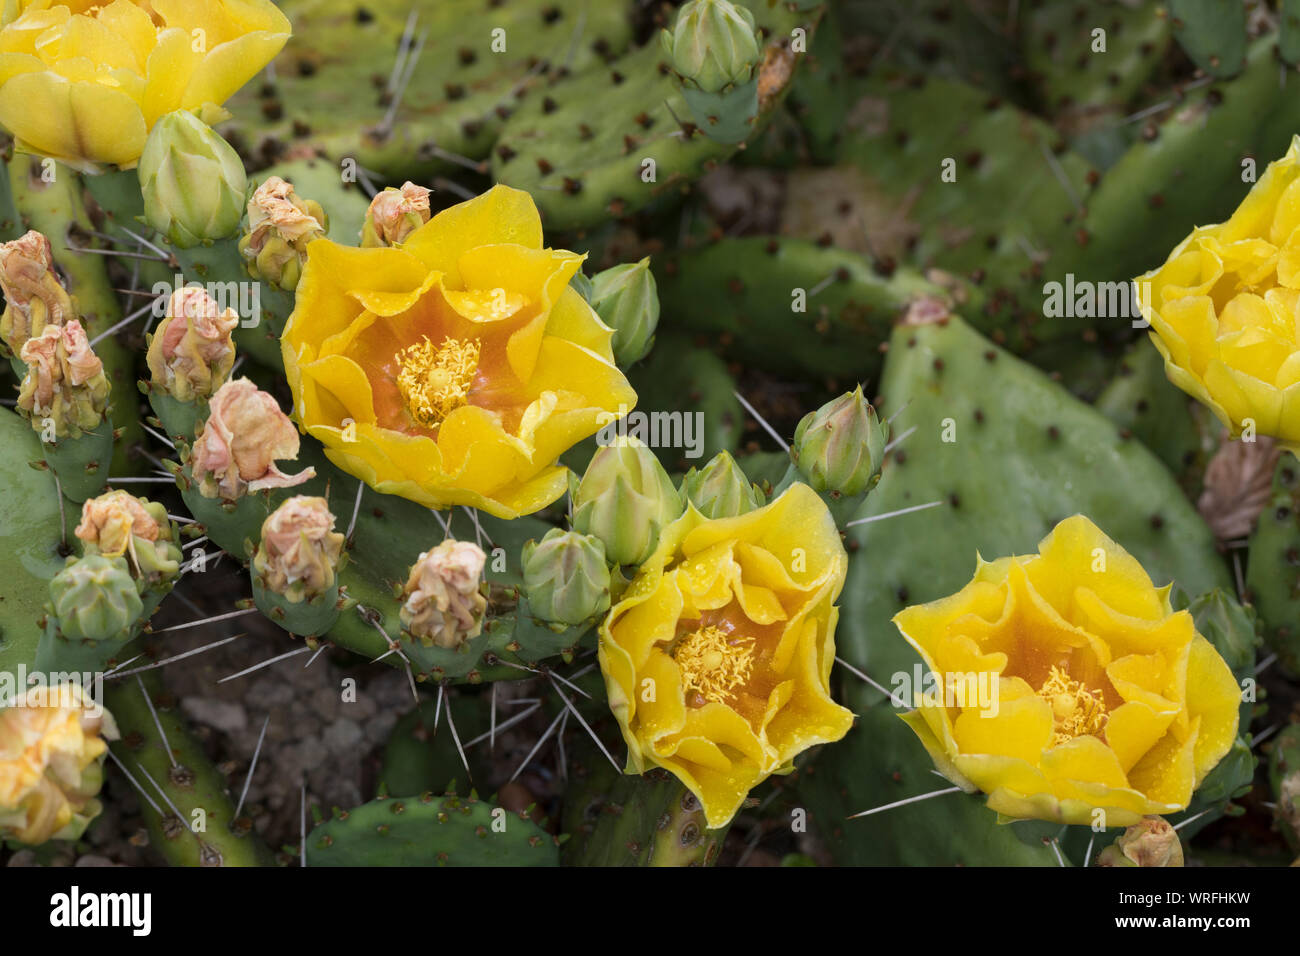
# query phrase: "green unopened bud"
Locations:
[[713, 44], [34, 295], [394, 214], [193, 181], [581, 283], [625, 499], [281, 225], [95, 599], [838, 448], [443, 603], [65, 391], [1152, 841], [628, 302], [566, 579], [720, 489]]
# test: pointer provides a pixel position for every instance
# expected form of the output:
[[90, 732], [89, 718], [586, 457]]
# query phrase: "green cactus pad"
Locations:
[[430, 831], [33, 523], [619, 819], [584, 147], [1273, 568]]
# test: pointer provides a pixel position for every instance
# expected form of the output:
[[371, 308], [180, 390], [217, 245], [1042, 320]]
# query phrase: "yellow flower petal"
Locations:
[[500, 215], [741, 577], [1108, 702]]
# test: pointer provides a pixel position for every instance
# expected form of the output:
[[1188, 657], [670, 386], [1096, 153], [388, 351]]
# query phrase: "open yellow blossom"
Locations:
[[456, 368], [84, 81], [1224, 309], [1097, 695], [717, 660], [51, 763]]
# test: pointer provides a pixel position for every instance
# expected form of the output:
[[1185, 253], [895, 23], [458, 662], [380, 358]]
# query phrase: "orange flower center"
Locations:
[[713, 664], [1076, 711], [435, 379]]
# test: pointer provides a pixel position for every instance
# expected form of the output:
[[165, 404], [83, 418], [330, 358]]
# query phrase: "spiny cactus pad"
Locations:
[[431, 831]]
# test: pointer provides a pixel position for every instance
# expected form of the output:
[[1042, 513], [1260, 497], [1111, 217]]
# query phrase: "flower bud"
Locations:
[[193, 351], [52, 744], [628, 302], [442, 603], [298, 557], [394, 214], [235, 451], [625, 499], [117, 524], [34, 296], [838, 448], [566, 578], [280, 226], [1152, 841], [720, 489], [192, 180], [713, 44], [582, 285], [65, 381], [95, 599]]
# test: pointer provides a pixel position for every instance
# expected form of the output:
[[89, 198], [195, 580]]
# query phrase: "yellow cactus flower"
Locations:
[[51, 763], [1064, 684], [84, 82], [717, 660], [456, 367], [1223, 309]]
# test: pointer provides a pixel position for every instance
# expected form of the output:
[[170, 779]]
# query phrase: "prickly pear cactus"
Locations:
[[660, 417]]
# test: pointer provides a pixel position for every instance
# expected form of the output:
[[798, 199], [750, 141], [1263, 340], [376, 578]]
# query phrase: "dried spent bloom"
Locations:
[[281, 225], [34, 295], [1238, 482], [442, 603], [1152, 841], [235, 451], [65, 381], [1097, 695], [111, 523], [394, 214], [299, 554], [193, 351], [52, 745], [118, 524]]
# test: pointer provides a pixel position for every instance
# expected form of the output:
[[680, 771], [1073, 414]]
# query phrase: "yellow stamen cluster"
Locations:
[[713, 664], [1076, 711], [435, 380]]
